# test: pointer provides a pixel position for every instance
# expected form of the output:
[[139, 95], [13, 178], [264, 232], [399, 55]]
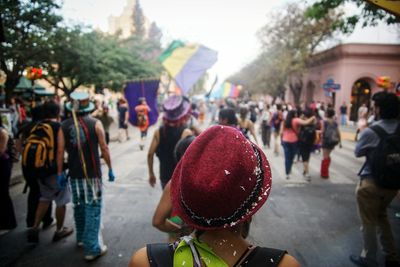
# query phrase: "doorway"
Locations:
[[360, 94]]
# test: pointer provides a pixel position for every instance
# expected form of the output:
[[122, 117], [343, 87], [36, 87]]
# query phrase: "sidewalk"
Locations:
[[348, 132]]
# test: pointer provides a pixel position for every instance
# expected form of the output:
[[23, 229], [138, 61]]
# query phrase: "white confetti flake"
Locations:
[[227, 172], [234, 253], [242, 188], [272, 260], [183, 263]]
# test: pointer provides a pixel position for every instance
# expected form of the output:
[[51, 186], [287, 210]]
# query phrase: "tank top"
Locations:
[[169, 137], [89, 145], [162, 254]]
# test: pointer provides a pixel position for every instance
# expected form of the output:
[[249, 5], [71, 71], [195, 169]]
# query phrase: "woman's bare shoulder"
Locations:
[[139, 259], [289, 261]]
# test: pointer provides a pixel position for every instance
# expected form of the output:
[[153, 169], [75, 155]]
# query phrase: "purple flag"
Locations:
[[146, 89]]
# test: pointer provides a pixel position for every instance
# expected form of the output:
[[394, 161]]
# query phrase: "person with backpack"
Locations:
[[219, 214], [307, 136], [289, 136], [39, 153], [330, 138], [379, 181], [142, 112], [81, 137], [31, 181]]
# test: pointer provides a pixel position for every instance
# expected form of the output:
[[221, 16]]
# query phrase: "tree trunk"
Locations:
[[296, 87]]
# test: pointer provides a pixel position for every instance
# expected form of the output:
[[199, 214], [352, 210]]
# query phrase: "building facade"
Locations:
[[348, 72], [123, 23]]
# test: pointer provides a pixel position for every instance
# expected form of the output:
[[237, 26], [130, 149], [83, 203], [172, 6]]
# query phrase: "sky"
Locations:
[[227, 26]]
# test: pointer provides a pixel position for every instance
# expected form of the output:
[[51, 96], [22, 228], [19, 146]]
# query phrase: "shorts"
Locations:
[[305, 152], [49, 191]]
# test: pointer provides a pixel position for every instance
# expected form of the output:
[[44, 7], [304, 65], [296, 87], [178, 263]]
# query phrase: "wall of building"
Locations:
[[346, 64]]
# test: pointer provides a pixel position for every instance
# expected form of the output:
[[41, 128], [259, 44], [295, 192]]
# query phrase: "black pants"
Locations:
[[33, 202], [7, 218], [266, 133], [107, 138]]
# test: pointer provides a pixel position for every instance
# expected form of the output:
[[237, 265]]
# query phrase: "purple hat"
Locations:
[[176, 109]]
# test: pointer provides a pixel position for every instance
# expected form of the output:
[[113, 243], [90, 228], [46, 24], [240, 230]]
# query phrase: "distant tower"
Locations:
[[124, 22]]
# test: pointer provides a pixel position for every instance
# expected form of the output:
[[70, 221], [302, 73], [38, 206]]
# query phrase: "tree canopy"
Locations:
[[288, 40], [27, 26], [369, 14], [72, 56]]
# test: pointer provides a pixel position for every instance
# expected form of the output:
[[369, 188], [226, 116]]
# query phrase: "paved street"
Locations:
[[315, 221]]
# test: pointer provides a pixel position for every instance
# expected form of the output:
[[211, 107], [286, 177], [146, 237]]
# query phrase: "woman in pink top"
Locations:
[[289, 131]]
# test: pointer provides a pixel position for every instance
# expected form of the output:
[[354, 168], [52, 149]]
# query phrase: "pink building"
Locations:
[[355, 67]]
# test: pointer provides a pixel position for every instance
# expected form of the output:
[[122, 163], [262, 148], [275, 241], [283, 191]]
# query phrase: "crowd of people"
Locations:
[[186, 147]]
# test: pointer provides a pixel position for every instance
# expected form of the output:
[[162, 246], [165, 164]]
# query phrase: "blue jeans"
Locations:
[[343, 119], [87, 214], [290, 150]]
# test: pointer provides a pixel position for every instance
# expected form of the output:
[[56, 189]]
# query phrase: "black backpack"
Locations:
[[331, 135], [39, 155], [384, 160], [307, 135]]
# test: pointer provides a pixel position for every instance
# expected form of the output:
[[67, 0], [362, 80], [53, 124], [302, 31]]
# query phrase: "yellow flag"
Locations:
[[391, 6]]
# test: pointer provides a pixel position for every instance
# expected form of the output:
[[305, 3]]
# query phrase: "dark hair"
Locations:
[[308, 112], [330, 113], [228, 114], [243, 112], [37, 113], [278, 106], [181, 147], [388, 103], [51, 110], [289, 117]]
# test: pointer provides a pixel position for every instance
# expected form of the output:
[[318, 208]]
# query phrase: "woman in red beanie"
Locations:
[[222, 180]]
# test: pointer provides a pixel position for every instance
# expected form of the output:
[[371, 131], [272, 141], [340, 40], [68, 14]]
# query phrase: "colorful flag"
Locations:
[[227, 89], [147, 89], [187, 63]]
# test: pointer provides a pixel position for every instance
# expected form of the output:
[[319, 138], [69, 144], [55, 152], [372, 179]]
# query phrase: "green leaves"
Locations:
[[288, 41], [369, 14], [73, 56]]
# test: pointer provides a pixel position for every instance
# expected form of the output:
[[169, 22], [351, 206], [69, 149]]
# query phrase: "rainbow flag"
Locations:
[[227, 89], [187, 63]]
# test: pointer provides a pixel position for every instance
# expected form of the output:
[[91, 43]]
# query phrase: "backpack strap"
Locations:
[[380, 131], [273, 256], [160, 254]]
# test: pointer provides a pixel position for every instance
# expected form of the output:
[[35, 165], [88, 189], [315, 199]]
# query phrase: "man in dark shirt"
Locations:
[[373, 200], [176, 114], [81, 136]]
